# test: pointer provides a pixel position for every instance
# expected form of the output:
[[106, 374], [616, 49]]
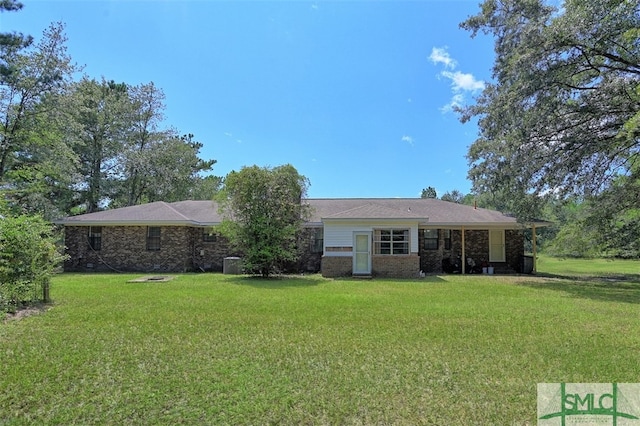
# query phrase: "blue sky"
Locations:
[[357, 95]]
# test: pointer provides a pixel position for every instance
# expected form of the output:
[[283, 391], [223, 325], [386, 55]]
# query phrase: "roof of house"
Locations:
[[158, 213], [427, 211]]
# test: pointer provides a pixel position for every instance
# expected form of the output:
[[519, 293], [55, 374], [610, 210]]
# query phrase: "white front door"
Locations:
[[496, 245], [362, 252]]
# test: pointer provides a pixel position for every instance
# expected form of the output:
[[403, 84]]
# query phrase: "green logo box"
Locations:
[[564, 404]]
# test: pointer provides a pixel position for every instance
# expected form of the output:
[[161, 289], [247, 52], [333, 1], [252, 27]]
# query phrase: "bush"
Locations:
[[28, 258]]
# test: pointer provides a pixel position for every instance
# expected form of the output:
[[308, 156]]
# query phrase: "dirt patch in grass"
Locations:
[[152, 279], [27, 311]]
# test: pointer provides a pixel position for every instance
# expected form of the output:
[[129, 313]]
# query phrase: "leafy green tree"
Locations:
[[429, 192], [33, 156], [145, 117], [155, 163], [96, 129], [454, 196], [561, 117], [175, 169], [28, 258], [263, 215], [11, 42], [204, 187]]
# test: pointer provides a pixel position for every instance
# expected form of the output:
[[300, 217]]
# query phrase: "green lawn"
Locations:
[[214, 349]]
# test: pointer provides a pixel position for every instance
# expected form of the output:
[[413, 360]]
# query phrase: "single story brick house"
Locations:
[[388, 237]]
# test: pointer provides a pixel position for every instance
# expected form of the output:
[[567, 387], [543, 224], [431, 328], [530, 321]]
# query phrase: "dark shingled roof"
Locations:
[[158, 213], [428, 211]]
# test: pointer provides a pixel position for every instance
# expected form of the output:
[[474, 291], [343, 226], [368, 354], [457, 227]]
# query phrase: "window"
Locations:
[[317, 240], [153, 238], [447, 239], [95, 238], [391, 241], [430, 239], [208, 235]]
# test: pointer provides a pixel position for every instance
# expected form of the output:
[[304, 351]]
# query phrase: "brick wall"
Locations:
[[209, 256], [337, 266], [514, 242], [431, 260], [406, 266], [124, 248], [476, 247]]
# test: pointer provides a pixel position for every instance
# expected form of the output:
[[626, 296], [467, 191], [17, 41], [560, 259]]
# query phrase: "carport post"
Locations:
[[533, 243], [464, 257]]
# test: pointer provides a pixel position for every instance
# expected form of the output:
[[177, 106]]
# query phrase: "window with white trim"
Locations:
[[391, 241]]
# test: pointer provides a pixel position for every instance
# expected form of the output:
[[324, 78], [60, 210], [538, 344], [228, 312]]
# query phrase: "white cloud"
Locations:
[[461, 82], [439, 55], [407, 139], [456, 101]]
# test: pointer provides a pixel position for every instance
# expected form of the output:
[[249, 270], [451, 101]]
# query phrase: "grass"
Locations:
[[216, 349], [589, 267]]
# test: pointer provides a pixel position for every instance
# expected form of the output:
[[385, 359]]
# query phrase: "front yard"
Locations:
[[215, 349]]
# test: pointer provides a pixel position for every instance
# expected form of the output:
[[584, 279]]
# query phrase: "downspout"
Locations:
[[533, 243], [464, 257]]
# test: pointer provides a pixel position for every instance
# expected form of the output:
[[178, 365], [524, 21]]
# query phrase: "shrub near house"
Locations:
[[28, 257]]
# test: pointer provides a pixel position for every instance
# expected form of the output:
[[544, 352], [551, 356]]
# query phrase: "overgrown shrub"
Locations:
[[28, 258]]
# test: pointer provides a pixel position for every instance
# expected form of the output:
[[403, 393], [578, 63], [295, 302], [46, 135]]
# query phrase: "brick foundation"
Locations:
[[407, 266], [381, 266], [337, 266]]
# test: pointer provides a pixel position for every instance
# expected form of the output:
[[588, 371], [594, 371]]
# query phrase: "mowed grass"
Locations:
[[215, 349]]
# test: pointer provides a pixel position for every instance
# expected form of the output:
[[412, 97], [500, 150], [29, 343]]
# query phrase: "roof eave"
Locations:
[[486, 225], [134, 223], [376, 219]]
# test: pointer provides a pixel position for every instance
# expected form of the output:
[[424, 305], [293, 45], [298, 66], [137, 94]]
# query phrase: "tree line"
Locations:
[[559, 124], [77, 146], [72, 145]]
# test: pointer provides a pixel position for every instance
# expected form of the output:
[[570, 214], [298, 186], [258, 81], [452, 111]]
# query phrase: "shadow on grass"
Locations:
[[623, 288], [288, 281], [277, 281]]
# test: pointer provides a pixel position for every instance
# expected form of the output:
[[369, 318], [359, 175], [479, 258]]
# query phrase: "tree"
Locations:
[[562, 116], [33, 157], [154, 163], [454, 196], [96, 131], [175, 169], [263, 215], [28, 258], [144, 133], [429, 192], [11, 42]]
